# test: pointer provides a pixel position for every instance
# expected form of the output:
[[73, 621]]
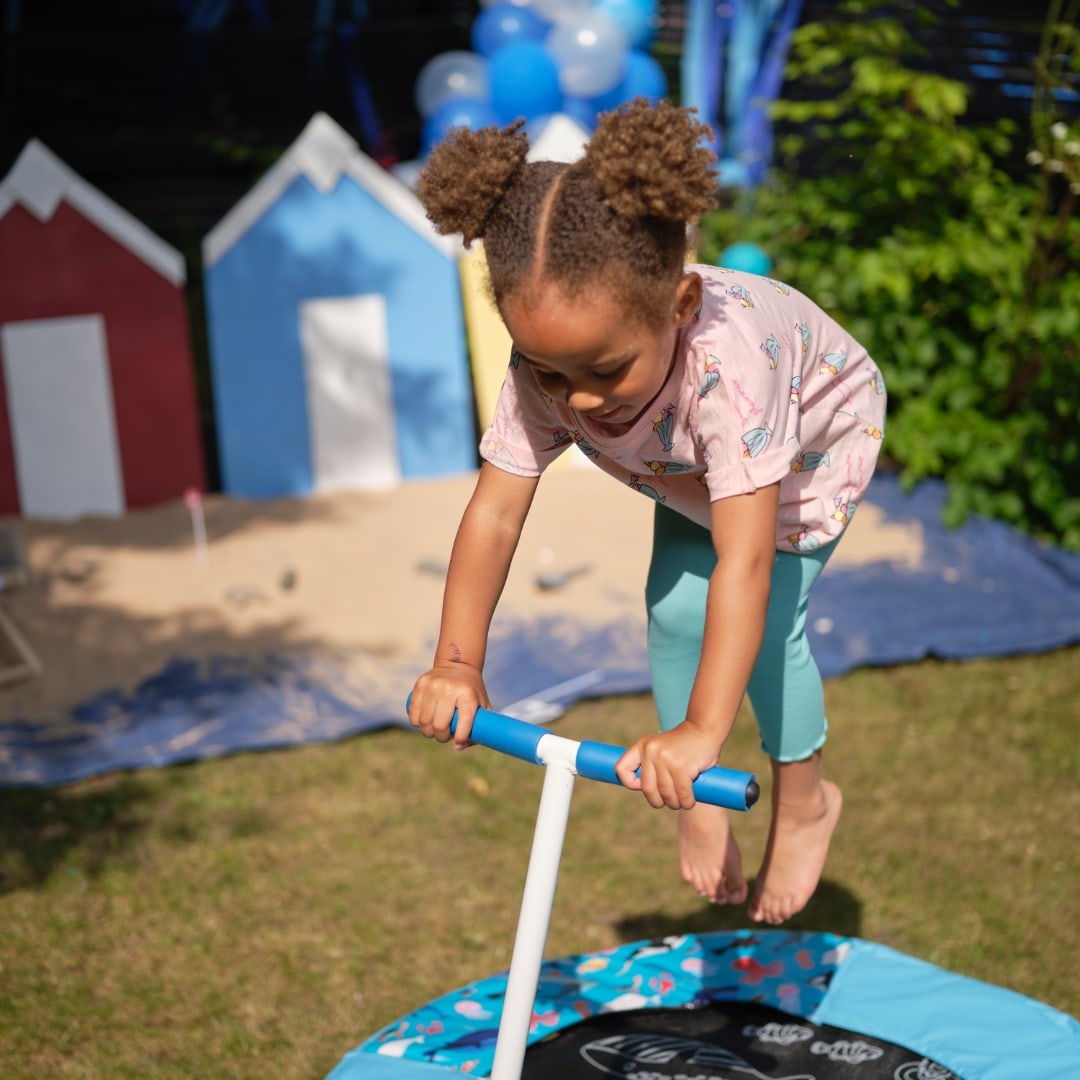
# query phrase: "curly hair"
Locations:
[[619, 216]]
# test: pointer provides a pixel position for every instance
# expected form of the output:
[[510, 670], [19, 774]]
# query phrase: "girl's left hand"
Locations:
[[664, 766]]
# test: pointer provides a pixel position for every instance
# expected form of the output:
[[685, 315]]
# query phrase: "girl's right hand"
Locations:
[[442, 691]]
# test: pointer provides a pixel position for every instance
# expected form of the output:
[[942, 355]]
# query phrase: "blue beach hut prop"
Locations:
[[337, 339]]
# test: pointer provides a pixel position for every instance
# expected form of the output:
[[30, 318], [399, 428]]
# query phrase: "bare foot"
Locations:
[[708, 855], [795, 854]]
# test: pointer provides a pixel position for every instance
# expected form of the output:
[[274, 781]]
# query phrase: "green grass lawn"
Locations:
[[260, 915]]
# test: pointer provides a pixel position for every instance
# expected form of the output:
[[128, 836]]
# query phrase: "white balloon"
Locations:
[[590, 51], [449, 75], [560, 11]]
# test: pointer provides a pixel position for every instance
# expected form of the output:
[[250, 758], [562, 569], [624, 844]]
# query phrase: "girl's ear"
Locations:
[[688, 294]]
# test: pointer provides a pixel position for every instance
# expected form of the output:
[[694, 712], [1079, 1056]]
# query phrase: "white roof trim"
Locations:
[[248, 210], [400, 200], [40, 181], [324, 152]]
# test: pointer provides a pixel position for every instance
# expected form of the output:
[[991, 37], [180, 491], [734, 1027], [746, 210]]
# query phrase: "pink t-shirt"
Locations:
[[765, 387]]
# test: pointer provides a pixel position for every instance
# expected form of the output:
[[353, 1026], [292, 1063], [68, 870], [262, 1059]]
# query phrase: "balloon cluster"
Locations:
[[534, 59]]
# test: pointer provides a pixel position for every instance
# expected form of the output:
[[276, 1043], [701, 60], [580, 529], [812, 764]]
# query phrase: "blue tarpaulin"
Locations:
[[982, 590]]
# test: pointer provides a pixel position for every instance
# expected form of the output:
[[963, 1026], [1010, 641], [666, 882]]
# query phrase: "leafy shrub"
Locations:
[[961, 279]]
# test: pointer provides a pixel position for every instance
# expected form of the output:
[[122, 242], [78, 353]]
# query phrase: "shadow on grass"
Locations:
[[76, 830], [833, 910]]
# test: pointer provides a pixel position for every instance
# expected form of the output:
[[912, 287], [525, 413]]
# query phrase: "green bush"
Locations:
[[961, 278]]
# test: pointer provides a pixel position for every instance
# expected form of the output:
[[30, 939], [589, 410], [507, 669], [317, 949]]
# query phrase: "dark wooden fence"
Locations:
[[176, 124]]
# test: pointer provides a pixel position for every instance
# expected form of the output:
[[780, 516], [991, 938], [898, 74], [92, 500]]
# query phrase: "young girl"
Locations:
[[749, 416]]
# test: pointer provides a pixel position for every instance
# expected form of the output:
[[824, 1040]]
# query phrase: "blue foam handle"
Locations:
[[505, 734], [730, 788]]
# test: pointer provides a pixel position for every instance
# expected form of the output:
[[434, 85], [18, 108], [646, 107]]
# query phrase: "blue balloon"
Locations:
[[746, 257], [637, 19], [503, 24], [524, 81], [642, 77], [582, 110], [457, 112]]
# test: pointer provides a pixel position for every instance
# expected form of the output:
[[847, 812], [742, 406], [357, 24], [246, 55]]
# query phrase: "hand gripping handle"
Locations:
[[730, 788]]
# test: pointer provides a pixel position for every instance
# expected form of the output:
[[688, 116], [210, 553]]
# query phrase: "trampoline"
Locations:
[[732, 1005]]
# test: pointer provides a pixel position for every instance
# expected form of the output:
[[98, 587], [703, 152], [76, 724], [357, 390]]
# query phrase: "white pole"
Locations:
[[193, 500], [532, 929]]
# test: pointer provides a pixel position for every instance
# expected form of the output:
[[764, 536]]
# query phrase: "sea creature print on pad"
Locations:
[[652, 949]]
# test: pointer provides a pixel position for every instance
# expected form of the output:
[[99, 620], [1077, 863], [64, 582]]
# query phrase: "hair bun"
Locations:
[[467, 176], [650, 162]]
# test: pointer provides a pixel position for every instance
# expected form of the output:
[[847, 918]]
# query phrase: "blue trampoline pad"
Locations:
[[953, 1026]]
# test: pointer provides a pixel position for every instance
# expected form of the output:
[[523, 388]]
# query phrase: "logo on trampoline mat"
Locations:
[[667, 1057], [624, 1055], [852, 1052], [923, 1070], [780, 1034]]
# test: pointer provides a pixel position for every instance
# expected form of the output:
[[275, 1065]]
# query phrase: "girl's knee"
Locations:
[[676, 609]]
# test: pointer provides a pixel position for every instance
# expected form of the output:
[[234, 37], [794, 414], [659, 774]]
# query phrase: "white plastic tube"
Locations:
[[536, 904]]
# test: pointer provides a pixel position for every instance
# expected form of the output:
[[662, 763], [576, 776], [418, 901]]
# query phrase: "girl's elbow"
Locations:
[[750, 569]]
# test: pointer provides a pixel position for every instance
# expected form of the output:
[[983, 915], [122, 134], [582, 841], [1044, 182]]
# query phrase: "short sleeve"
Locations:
[[746, 421], [527, 432], [780, 392]]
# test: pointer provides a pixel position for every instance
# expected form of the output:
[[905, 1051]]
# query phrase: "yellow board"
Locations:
[[489, 344]]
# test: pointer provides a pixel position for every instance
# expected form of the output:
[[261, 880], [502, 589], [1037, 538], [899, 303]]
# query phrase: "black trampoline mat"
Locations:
[[724, 1040]]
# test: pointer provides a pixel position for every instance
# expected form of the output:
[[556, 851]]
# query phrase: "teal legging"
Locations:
[[785, 688]]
